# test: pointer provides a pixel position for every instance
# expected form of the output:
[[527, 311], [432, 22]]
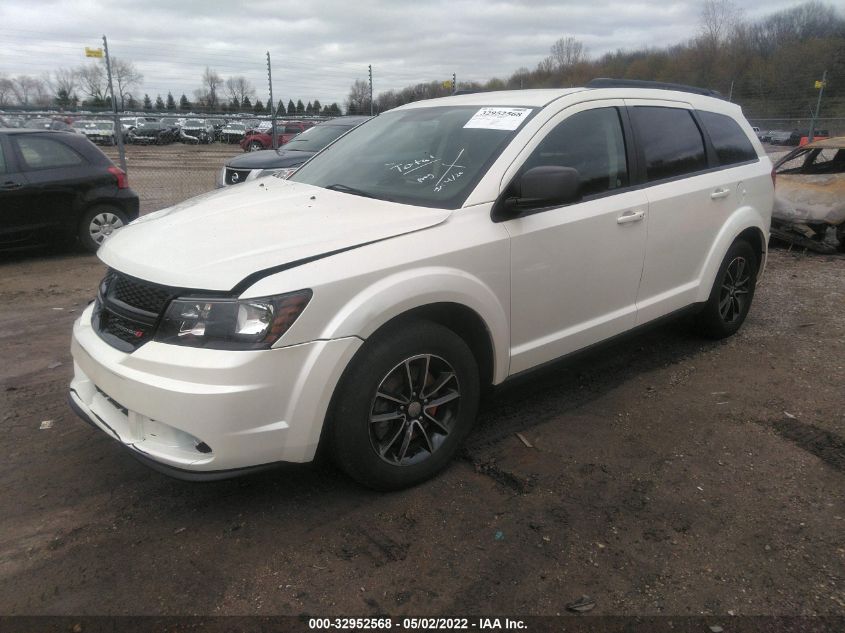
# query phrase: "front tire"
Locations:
[[732, 293], [255, 146], [98, 224], [404, 406]]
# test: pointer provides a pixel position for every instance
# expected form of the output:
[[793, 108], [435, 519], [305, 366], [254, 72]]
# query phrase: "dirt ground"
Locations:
[[667, 475]]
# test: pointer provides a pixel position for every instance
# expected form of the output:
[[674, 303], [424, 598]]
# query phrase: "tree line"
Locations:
[[769, 66], [87, 86]]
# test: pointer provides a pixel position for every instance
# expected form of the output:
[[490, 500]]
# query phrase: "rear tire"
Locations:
[[732, 293], [404, 406], [98, 224]]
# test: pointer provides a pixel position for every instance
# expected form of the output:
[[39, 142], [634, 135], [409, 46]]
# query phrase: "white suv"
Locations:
[[439, 248]]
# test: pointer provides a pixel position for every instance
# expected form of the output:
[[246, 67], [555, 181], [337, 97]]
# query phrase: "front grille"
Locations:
[[234, 176], [139, 294], [127, 310]]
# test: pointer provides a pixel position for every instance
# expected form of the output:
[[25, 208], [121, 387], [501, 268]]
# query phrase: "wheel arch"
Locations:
[[746, 223]]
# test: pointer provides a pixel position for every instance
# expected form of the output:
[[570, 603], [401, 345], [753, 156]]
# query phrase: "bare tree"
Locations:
[[719, 18], [358, 101], [28, 90], [211, 82], [567, 52], [63, 80], [125, 77], [237, 88], [94, 81], [7, 91]]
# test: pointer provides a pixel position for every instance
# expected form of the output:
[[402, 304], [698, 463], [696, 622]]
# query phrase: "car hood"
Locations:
[[268, 158], [214, 241]]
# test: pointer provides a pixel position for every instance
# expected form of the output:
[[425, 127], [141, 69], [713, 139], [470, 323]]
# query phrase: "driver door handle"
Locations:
[[720, 193], [630, 216]]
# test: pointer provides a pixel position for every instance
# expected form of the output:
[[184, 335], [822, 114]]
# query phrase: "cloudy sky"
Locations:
[[320, 47]]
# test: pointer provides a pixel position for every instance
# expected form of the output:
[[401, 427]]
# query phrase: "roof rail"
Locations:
[[604, 82]]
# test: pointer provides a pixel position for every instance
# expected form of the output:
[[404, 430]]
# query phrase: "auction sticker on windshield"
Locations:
[[498, 118]]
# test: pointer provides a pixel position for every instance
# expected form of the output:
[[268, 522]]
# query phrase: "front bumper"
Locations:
[[207, 414]]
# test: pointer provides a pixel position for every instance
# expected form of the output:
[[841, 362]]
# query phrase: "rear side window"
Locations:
[[670, 140], [730, 142], [591, 142], [45, 153]]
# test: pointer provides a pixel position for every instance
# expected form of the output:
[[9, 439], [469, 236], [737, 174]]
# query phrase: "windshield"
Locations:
[[235, 126], [194, 123], [316, 138], [100, 125], [425, 156]]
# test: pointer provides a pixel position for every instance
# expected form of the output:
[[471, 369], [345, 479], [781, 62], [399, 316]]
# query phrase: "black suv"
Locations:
[[57, 187]]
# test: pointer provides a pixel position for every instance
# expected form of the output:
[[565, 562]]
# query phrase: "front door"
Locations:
[[575, 269]]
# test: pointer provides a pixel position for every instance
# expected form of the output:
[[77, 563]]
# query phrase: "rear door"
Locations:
[[575, 269], [688, 201], [59, 178], [14, 192]]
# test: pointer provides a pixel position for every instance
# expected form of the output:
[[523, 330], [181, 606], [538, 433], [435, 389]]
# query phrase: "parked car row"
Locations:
[[792, 138]]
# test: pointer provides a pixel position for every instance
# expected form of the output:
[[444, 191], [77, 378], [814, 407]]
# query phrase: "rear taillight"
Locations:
[[122, 179], [774, 176]]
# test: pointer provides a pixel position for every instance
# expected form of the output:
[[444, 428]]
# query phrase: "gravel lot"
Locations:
[[666, 475]]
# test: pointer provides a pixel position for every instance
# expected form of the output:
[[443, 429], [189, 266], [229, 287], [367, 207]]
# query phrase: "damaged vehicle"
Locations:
[[149, 133], [197, 131], [99, 132], [809, 206], [233, 132]]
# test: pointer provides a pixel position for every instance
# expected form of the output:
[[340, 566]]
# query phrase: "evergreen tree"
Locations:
[[63, 99], [170, 104], [148, 105], [131, 104], [259, 107], [184, 104], [159, 103], [316, 108], [269, 108], [309, 109], [246, 104], [300, 107], [291, 108], [280, 109]]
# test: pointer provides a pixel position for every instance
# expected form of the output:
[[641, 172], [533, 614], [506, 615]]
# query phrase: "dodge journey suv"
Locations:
[[363, 305]]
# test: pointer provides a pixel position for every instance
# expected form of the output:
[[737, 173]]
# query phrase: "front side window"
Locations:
[[730, 142], [45, 153], [670, 140], [591, 142], [430, 156]]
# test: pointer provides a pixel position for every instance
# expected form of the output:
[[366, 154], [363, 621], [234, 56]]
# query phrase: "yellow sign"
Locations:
[[447, 84], [819, 84], [93, 52]]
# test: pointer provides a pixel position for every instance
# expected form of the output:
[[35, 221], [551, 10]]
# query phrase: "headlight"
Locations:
[[221, 323], [279, 172]]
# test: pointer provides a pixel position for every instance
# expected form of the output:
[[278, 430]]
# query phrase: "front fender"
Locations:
[[743, 218], [399, 293]]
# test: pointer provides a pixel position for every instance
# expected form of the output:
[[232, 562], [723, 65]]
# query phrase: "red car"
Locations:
[[255, 141]]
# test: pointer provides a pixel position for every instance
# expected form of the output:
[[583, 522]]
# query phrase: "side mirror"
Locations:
[[548, 185]]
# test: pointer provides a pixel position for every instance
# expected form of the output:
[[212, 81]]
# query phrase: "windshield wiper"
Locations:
[[346, 189]]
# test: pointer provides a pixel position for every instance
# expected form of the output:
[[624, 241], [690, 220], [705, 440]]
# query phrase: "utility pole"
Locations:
[[371, 89], [454, 84], [820, 85], [118, 128], [274, 135]]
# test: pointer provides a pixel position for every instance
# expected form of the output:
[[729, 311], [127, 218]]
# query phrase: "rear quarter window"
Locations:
[[39, 152], [671, 142], [730, 142]]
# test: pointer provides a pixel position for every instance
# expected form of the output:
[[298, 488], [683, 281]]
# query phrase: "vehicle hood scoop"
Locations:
[[216, 240]]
